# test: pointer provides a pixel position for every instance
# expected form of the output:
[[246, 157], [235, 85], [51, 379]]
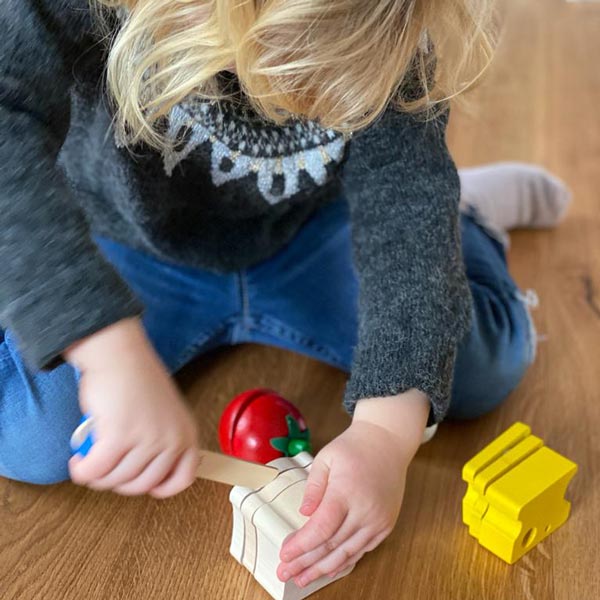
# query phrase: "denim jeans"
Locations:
[[302, 299]]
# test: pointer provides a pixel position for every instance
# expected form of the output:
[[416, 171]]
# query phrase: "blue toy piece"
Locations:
[[82, 439]]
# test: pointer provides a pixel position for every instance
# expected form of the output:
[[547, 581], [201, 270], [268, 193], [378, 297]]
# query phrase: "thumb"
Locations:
[[316, 485]]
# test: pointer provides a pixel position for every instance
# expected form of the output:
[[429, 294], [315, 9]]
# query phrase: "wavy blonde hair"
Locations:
[[339, 62]]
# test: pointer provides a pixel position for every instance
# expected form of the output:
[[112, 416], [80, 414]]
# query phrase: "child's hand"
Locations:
[[355, 488], [145, 437]]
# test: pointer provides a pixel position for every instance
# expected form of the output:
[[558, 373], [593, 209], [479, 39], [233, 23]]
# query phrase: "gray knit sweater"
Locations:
[[235, 190]]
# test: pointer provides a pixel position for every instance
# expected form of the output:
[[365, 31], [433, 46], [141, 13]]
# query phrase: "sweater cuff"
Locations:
[[387, 367], [70, 305]]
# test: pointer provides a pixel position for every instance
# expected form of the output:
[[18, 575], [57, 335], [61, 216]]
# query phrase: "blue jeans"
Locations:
[[302, 299]]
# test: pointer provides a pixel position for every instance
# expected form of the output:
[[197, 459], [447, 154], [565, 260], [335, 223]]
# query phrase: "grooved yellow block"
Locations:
[[515, 494]]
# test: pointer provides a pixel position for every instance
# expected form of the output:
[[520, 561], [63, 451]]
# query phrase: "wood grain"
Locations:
[[540, 104]]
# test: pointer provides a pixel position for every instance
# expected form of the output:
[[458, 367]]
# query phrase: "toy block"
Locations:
[[262, 520], [515, 494]]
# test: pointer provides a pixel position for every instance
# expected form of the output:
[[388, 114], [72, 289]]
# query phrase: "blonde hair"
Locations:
[[338, 62]]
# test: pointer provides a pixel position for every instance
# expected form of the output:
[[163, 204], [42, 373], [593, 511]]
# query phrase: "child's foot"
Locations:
[[514, 195]]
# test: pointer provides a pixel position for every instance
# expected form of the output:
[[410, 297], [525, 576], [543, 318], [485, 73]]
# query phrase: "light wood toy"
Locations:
[[266, 501], [263, 518], [515, 495]]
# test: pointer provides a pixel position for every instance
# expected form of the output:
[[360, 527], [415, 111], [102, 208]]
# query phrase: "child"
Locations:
[[308, 202]]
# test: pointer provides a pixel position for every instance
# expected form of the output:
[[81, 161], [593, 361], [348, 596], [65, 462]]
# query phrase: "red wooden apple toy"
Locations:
[[259, 425]]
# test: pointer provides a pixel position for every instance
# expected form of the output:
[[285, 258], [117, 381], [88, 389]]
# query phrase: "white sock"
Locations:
[[514, 195]]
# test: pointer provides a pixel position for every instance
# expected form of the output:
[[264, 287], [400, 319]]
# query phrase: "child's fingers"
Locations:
[[129, 467], [353, 560], [182, 476], [315, 487], [320, 528], [333, 562], [288, 570], [102, 459], [152, 475]]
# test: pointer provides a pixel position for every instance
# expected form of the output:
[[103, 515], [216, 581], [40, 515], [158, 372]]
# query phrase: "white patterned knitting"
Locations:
[[242, 144]]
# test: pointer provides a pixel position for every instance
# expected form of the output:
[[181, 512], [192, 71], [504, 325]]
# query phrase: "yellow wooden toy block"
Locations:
[[515, 494]]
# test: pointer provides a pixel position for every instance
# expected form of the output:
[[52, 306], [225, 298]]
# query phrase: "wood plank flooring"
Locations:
[[540, 104]]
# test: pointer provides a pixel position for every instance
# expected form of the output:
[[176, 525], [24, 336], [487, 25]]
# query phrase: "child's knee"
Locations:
[[41, 469], [37, 450], [494, 357], [487, 381], [38, 412], [484, 391]]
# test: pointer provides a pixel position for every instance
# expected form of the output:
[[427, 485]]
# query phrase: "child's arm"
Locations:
[[414, 300], [58, 295], [414, 308], [55, 286], [355, 488]]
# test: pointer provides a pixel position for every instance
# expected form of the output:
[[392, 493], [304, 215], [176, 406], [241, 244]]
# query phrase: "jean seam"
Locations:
[[244, 297], [191, 351], [531, 328], [269, 325]]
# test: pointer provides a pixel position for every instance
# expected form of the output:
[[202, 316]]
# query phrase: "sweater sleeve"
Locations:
[[55, 287], [414, 300]]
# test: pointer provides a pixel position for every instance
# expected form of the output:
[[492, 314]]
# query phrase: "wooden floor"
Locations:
[[541, 104]]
